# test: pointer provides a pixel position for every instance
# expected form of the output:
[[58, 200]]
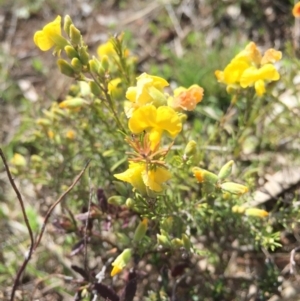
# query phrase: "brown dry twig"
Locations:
[[33, 245]]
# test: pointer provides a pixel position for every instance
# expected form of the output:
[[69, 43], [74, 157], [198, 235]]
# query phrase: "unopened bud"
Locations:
[[238, 209], [203, 175], [186, 241], [130, 203], [140, 230], [121, 261], [225, 170], [94, 65], [65, 68], [84, 55], [176, 243], [75, 35], [105, 62], [95, 89], [43, 122], [190, 148], [234, 188], [163, 240], [256, 212], [67, 23], [73, 103], [18, 160], [116, 200], [71, 52], [76, 64]]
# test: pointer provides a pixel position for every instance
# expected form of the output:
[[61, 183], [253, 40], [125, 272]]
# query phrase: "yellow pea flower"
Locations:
[[133, 175], [141, 178], [50, 36], [147, 89], [249, 68], [155, 121], [186, 99]]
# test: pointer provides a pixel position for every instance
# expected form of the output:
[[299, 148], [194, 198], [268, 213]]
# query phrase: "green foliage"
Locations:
[[143, 221]]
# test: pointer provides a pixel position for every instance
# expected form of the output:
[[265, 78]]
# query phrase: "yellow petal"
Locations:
[[133, 175], [260, 87], [155, 178], [142, 119], [50, 35], [167, 119]]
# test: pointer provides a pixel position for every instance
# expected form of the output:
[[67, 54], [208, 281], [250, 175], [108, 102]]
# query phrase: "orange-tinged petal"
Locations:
[[296, 10], [116, 270], [271, 56], [186, 99], [250, 54]]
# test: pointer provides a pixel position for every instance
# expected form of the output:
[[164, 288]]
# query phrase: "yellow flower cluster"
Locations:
[[153, 114], [250, 69]]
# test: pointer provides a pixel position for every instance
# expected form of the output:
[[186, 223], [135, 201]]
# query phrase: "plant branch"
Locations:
[[19, 196]]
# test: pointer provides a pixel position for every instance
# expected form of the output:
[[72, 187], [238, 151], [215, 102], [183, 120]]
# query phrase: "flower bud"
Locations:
[[76, 64], [238, 209], [70, 135], [71, 52], [186, 241], [18, 160], [176, 243], [84, 55], [190, 149], [105, 62], [43, 122], [95, 89], [121, 261], [75, 35], [203, 175], [65, 68], [163, 240], [130, 203], [140, 230], [94, 65], [73, 103], [116, 200], [234, 188], [256, 212], [225, 170], [67, 23]]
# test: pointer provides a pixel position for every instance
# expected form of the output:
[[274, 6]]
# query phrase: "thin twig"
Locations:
[[292, 260], [87, 224], [28, 255], [57, 202]]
